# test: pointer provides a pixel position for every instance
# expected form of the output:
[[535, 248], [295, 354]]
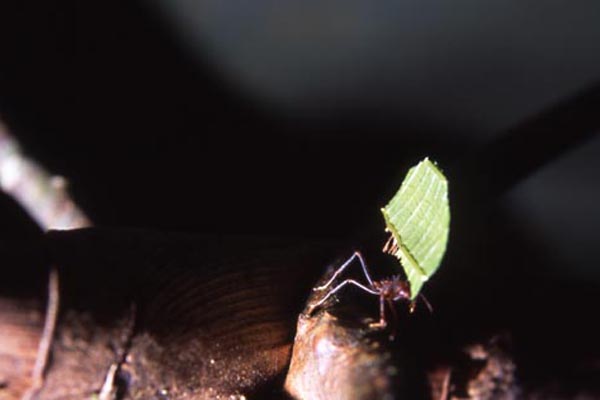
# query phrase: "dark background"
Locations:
[[298, 118]]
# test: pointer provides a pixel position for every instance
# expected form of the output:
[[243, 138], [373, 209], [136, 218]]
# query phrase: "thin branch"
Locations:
[[42, 195], [106, 393], [47, 201], [47, 336], [108, 387]]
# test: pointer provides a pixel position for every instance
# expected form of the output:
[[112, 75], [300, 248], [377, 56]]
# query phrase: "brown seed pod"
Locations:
[[334, 361]]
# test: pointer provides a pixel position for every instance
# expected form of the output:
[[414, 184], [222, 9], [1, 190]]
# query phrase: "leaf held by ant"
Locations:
[[418, 219]]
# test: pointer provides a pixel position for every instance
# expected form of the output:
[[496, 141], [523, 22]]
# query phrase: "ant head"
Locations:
[[401, 289]]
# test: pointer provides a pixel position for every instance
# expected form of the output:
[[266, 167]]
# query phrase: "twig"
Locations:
[[42, 195], [47, 201], [446, 385], [47, 335], [108, 387]]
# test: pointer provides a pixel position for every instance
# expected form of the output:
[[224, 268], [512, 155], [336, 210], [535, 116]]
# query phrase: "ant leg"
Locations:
[[382, 322], [337, 288], [363, 264], [395, 314], [427, 303], [343, 267], [413, 304]]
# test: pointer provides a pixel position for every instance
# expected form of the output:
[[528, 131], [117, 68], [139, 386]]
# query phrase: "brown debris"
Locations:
[[214, 317], [487, 373], [496, 379], [21, 323], [82, 353]]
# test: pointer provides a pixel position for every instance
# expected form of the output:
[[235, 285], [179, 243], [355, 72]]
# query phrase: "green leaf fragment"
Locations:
[[418, 218]]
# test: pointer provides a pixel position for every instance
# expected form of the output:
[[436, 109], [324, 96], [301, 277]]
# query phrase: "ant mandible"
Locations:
[[389, 290]]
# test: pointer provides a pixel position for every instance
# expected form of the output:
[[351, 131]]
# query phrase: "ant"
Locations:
[[389, 290]]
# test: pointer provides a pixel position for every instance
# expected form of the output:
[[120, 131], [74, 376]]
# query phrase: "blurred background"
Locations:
[[295, 118]]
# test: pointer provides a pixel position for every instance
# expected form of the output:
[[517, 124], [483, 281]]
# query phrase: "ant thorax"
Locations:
[[393, 288]]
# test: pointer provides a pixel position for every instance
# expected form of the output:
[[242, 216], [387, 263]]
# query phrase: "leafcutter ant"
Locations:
[[389, 290]]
